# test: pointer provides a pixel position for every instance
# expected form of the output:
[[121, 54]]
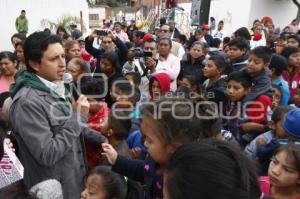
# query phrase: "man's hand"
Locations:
[[83, 105], [110, 153], [113, 35], [150, 63]]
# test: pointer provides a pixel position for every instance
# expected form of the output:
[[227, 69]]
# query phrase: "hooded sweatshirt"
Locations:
[[164, 82]]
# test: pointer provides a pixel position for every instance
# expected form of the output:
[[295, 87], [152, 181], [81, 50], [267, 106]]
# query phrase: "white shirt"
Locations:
[[58, 86], [171, 66]]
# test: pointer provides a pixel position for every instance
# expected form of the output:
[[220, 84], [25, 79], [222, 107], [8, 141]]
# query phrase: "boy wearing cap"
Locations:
[[207, 36], [290, 127]]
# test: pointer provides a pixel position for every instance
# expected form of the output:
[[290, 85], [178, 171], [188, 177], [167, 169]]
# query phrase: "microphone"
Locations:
[[69, 83]]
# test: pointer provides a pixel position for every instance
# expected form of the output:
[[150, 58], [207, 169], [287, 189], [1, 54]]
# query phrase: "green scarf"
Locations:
[[25, 78]]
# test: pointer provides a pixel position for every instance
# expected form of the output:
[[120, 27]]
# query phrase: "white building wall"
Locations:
[[100, 11], [238, 13], [36, 11], [281, 11], [234, 13]]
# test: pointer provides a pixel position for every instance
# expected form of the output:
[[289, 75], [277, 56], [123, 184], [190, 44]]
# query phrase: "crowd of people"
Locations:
[[126, 114]]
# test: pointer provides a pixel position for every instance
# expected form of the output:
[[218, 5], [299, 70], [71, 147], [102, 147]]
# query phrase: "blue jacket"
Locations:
[[144, 171]]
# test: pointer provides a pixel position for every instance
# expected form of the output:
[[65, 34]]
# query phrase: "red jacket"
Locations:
[[94, 151]]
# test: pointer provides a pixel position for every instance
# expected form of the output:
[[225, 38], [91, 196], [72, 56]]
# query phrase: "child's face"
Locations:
[[236, 91], [296, 98], [235, 53], [94, 188], [106, 67], [186, 83], [294, 60], [255, 64], [291, 42], [158, 150], [196, 51], [210, 70], [283, 172], [276, 99], [155, 86]]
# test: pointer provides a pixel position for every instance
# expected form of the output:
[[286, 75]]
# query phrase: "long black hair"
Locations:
[[211, 169]]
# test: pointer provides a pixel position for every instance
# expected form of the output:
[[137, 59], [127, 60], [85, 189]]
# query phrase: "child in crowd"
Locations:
[[293, 41], [103, 183], [257, 67], [245, 118], [210, 169], [125, 96], [214, 87], [275, 133], [292, 74], [290, 131], [164, 133], [116, 129], [283, 174], [277, 97], [190, 82], [98, 113], [140, 83], [238, 54], [159, 84], [278, 65]]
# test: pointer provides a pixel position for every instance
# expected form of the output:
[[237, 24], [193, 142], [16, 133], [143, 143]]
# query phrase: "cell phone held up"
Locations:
[[101, 32], [138, 53]]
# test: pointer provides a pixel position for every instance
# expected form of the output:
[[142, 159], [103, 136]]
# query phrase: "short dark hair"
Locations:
[[242, 77], [279, 63], [296, 37], [199, 163], [113, 184], [226, 40], [130, 45], [128, 89], [191, 78], [35, 46], [23, 11], [93, 87], [221, 21], [219, 61], [242, 32], [240, 43], [138, 33], [136, 77], [169, 128], [120, 125], [287, 51], [280, 112], [263, 53], [216, 42]]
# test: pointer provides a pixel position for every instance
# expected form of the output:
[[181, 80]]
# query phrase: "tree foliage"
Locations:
[[63, 21]]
